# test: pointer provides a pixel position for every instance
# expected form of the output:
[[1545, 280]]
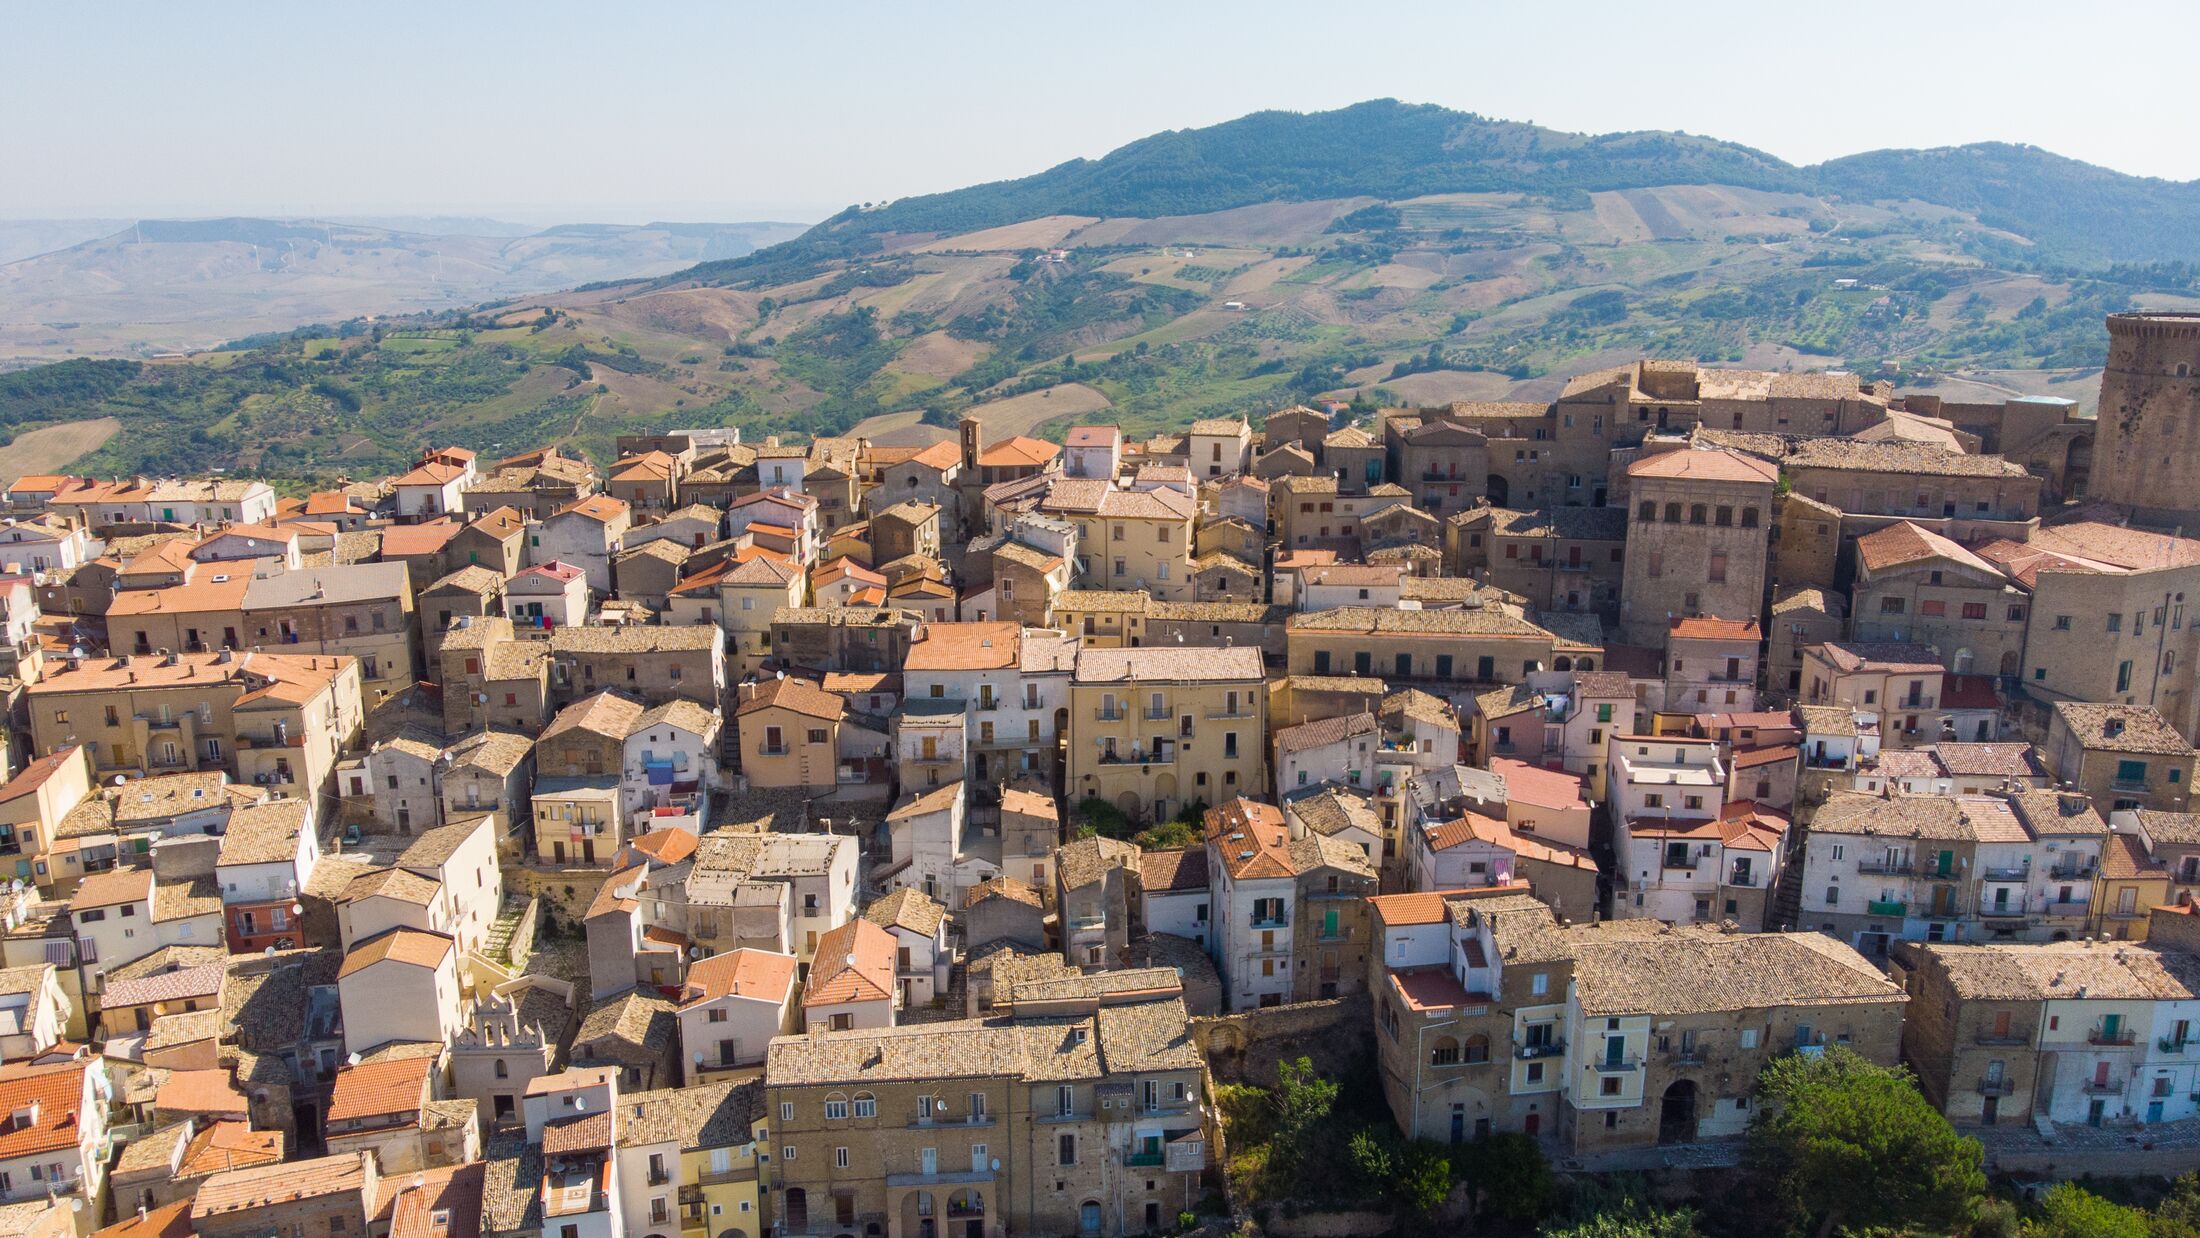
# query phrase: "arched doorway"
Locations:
[[1088, 1217], [966, 1213], [798, 1210], [1677, 1112], [919, 1218], [1497, 488]]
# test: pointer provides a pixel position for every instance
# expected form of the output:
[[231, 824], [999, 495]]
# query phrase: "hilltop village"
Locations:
[[835, 840]]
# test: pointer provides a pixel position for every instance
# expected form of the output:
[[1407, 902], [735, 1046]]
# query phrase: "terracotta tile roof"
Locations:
[[965, 647], [1881, 657], [448, 1203], [243, 1190], [2121, 728], [1693, 465], [1534, 785], [2125, 858], [1004, 887], [112, 888], [601, 508], [799, 695], [1697, 970], [1087, 860], [226, 1145], [173, 985], [2059, 970], [940, 456], [1373, 620], [1702, 628], [199, 1092], [607, 713], [1322, 732], [854, 963], [402, 945], [2008, 760], [55, 1094], [1903, 543], [264, 833], [170, 1220], [666, 846], [406, 541], [1144, 665], [1432, 906], [907, 908], [1252, 840], [1174, 870], [432, 473], [1852, 456], [380, 1089], [36, 773], [740, 973]]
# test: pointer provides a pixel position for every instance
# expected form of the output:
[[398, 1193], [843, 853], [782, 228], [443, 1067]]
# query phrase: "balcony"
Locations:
[[2022, 872], [1110, 715], [1996, 1087], [2122, 1038], [1241, 713], [2072, 907], [2073, 872], [1685, 863], [1887, 868], [1685, 1057], [988, 705], [1621, 1066], [1154, 715], [1144, 1160], [1879, 907], [658, 1177], [1276, 922], [2130, 786], [1989, 1038], [1535, 1052], [2093, 1087], [2171, 1044], [1742, 877]]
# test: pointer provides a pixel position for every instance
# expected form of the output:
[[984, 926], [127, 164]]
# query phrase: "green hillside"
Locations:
[[1189, 275]]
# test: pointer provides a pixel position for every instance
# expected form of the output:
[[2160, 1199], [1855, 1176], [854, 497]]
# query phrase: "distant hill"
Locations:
[[2070, 212], [2074, 212], [162, 285], [1382, 254]]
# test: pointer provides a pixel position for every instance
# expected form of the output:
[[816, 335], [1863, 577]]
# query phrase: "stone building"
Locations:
[[1697, 544], [2123, 756], [2150, 414]]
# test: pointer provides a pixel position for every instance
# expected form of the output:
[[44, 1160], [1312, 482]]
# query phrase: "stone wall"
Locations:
[[1244, 1047], [564, 892]]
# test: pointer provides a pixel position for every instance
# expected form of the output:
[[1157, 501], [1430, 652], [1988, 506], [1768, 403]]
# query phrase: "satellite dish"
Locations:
[[119, 780], [419, 1180], [352, 1060], [580, 1102], [271, 954]]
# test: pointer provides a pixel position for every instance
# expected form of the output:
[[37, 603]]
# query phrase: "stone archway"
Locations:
[[1497, 488], [1677, 1112]]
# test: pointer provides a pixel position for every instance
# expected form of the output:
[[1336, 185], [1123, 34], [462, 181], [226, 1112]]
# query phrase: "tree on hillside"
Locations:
[[1302, 1100], [2071, 1211], [1630, 1221], [1509, 1175], [1841, 1143]]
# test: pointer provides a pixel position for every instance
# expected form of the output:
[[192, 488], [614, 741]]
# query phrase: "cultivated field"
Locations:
[[50, 449]]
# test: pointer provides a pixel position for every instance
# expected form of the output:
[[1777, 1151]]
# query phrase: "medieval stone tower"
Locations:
[[2146, 452]]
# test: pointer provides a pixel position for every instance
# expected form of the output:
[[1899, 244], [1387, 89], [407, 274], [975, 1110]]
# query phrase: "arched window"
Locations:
[[866, 1105], [1697, 513], [503, 1071], [1477, 1049], [836, 1107], [1445, 1053]]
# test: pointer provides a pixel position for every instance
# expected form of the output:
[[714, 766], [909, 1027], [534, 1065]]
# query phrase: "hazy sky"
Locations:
[[628, 112]]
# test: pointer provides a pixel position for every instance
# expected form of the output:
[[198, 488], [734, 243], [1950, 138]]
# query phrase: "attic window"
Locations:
[[219, 580]]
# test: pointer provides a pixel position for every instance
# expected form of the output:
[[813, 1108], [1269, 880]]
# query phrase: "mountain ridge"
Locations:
[[1391, 150]]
